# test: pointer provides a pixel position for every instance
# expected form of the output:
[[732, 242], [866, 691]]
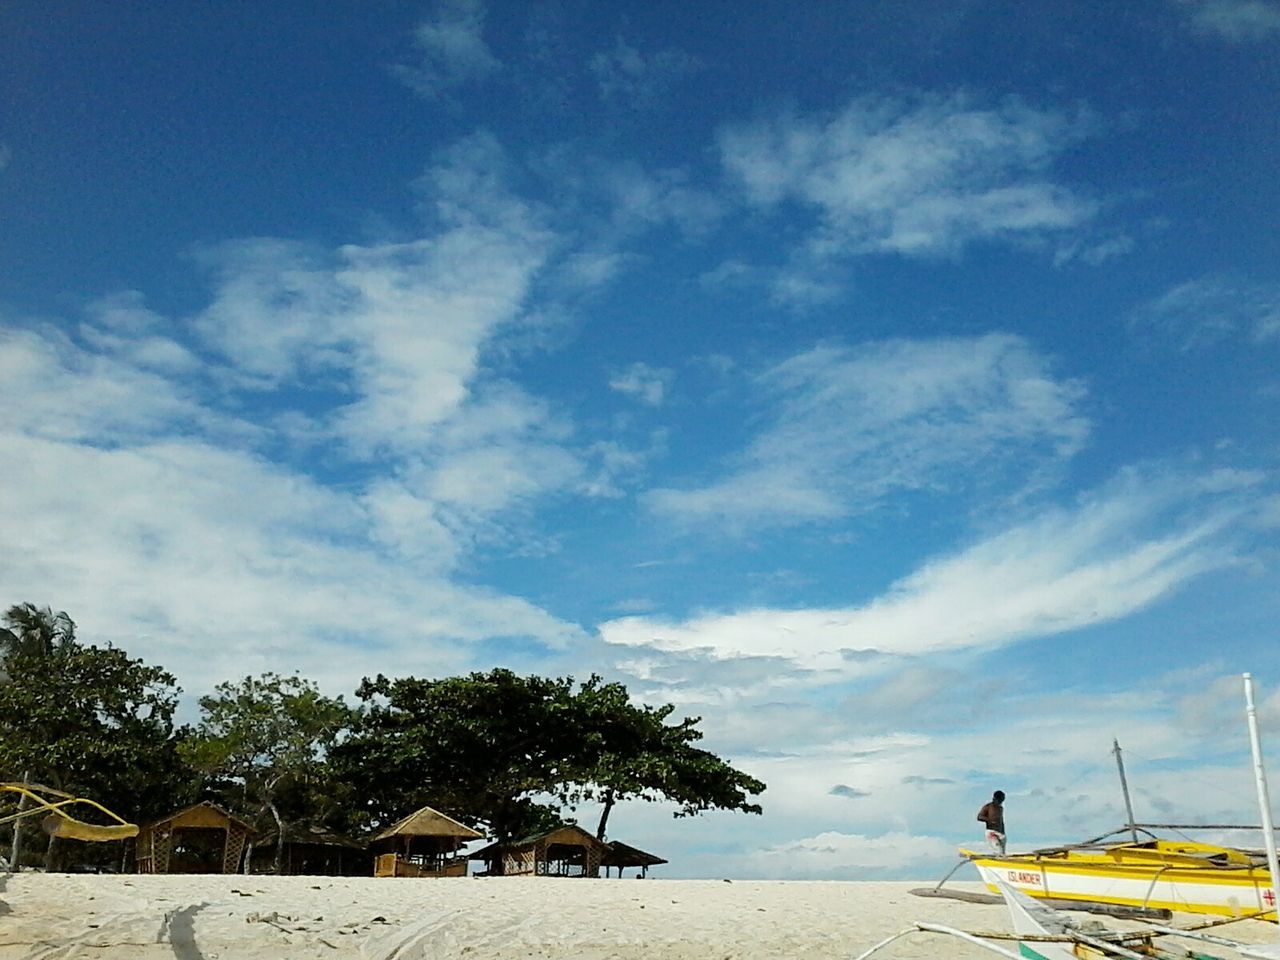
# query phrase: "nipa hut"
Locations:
[[622, 855], [423, 844], [202, 838], [309, 850], [567, 851]]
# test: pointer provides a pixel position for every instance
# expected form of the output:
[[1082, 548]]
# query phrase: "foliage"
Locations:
[[512, 754], [32, 631], [630, 751], [515, 753], [93, 721], [475, 747], [270, 735]]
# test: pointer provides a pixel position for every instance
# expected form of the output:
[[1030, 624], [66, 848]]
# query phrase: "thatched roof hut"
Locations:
[[423, 844], [201, 838], [622, 855], [309, 850], [567, 851]]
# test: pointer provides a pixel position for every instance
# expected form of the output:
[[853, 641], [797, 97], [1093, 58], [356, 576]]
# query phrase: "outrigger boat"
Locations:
[[1156, 874], [1152, 874]]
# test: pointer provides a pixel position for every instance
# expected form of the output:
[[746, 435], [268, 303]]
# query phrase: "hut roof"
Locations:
[[199, 813], [621, 854], [427, 822], [485, 852]]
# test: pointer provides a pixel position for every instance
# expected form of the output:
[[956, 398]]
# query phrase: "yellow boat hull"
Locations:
[[1163, 875]]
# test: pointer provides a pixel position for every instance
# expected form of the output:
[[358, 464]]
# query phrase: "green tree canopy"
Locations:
[[513, 753], [270, 736], [630, 751], [96, 722]]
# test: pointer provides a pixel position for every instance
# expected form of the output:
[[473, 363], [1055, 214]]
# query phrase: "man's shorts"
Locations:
[[996, 839]]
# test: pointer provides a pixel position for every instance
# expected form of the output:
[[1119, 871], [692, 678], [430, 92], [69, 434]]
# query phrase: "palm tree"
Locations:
[[30, 631]]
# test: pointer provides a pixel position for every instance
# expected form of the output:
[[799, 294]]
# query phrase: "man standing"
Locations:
[[992, 814]]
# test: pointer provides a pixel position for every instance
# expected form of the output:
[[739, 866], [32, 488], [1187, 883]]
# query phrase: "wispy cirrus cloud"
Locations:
[[916, 177], [1117, 552], [451, 49], [647, 384], [640, 79], [1237, 21], [847, 426], [1211, 309]]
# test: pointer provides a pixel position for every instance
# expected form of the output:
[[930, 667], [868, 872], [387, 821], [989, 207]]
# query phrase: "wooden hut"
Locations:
[[309, 850], [423, 844], [622, 855], [202, 838], [567, 851]]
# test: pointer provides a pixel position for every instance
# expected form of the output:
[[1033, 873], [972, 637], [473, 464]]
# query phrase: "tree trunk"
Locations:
[[604, 815], [15, 847], [279, 836]]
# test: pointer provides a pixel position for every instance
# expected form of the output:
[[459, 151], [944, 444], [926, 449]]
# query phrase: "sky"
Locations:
[[892, 386]]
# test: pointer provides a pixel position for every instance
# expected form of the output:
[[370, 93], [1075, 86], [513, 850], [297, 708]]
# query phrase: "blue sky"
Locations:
[[893, 386]]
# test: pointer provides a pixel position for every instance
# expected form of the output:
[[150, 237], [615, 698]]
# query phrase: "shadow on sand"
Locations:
[[182, 933]]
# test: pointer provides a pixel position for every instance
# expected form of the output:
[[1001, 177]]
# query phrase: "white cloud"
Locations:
[[216, 564], [640, 79], [1234, 20], [922, 177], [275, 310], [451, 49], [149, 502], [1115, 554], [591, 269], [1212, 309], [422, 314], [395, 331], [803, 285], [124, 327], [50, 388], [647, 384], [1093, 252], [636, 199], [852, 425]]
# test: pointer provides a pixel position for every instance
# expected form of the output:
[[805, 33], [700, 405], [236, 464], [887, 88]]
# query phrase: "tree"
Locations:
[[477, 747], [516, 753], [96, 722], [30, 630], [270, 735], [631, 752]]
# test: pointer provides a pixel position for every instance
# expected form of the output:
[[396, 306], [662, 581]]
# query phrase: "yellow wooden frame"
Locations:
[[58, 822]]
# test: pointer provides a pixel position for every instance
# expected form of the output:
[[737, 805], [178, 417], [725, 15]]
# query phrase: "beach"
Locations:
[[65, 916]]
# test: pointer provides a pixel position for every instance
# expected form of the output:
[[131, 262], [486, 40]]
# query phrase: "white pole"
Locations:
[[1264, 797]]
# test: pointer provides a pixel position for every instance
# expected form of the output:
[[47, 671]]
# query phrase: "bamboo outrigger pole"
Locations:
[[1124, 785], [1264, 797]]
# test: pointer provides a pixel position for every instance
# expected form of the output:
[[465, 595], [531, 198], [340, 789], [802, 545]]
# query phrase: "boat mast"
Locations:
[[1124, 785], [1260, 774]]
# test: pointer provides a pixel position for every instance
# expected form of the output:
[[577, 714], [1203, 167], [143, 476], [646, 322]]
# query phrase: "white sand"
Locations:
[[43, 917]]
